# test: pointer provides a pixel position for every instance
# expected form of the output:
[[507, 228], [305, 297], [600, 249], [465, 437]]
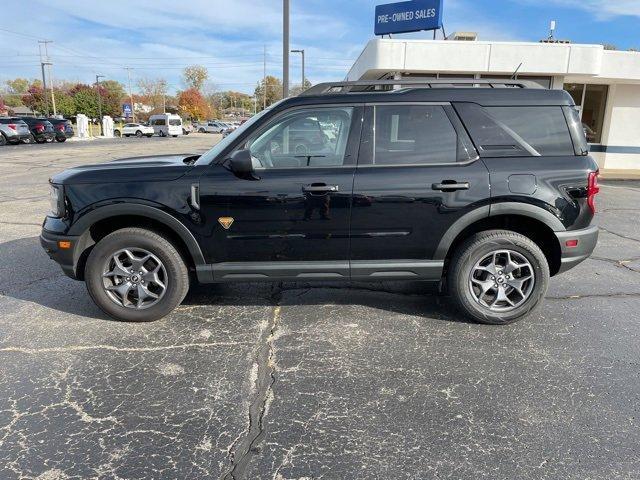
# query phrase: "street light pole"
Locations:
[[285, 48], [133, 113], [302, 53], [98, 77]]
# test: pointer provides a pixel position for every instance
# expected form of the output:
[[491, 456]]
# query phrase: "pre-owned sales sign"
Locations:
[[408, 16]]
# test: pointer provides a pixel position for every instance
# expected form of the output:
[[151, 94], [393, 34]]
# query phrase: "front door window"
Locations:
[[304, 138]]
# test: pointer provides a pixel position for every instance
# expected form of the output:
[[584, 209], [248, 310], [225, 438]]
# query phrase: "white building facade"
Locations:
[[604, 84]]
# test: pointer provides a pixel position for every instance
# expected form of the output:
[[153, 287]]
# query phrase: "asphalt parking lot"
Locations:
[[301, 381]]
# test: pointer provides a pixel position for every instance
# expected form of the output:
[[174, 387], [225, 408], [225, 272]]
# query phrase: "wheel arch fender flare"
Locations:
[[116, 210], [494, 210]]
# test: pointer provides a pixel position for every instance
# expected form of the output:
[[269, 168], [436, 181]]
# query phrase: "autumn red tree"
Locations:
[[193, 105]]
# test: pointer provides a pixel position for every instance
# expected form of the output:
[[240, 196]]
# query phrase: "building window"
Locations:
[[591, 100]]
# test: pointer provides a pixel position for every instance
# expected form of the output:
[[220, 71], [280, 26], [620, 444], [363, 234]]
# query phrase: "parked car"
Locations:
[[210, 127], [487, 191], [41, 129], [131, 129], [63, 128], [187, 129], [13, 130], [166, 124]]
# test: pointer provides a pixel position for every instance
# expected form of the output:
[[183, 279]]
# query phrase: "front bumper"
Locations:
[[571, 256], [65, 257]]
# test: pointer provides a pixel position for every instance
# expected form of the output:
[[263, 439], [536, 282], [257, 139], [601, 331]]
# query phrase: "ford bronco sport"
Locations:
[[483, 185]]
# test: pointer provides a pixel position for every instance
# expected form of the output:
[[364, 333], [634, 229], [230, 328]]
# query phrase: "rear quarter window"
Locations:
[[518, 130]]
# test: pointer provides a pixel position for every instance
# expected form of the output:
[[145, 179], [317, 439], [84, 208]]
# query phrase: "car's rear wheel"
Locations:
[[40, 139], [61, 139], [498, 276], [201, 130], [117, 133], [162, 134], [138, 134], [3, 140], [136, 275]]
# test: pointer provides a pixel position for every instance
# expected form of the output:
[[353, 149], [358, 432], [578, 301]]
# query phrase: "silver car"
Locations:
[[13, 130]]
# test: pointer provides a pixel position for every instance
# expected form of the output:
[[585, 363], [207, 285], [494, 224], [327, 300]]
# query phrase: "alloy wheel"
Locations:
[[134, 278], [502, 280]]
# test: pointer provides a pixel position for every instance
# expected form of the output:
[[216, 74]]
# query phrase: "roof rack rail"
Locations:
[[347, 87]]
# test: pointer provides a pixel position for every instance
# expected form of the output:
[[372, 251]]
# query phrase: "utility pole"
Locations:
[[98, 77], [48, 63], [285, 48], [264, 77], [133, 113], [301, 52], [43, 62]]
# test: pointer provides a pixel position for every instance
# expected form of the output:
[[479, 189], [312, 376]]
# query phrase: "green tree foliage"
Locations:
[[17, 85], [273, 88], [194, 76]]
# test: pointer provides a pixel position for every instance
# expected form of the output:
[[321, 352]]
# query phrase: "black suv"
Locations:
[[62, 127], [41, 129], [485, 186]]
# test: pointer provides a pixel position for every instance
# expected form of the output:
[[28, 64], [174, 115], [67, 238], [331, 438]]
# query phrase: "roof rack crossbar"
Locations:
[[347, 87]]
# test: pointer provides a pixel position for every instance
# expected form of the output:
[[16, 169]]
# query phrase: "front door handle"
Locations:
[[319, 188], [450, 186]]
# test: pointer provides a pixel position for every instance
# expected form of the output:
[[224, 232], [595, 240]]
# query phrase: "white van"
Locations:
[[166, 124]]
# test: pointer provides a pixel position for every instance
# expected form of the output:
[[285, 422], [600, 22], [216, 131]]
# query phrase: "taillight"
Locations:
[[592, 190], [60, 127], [39, 127], [12, 126]]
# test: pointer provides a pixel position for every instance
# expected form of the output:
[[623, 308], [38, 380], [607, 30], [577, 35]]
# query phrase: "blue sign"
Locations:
[[126, 109], [410, 16]]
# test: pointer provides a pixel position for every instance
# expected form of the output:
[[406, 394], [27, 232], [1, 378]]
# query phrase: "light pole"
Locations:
[[133, 113], [285, 48], [98, 77], [302, 53]]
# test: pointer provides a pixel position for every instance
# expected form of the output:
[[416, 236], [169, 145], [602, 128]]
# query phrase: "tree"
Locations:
[[112, 95], [35, 99], [85, 100], [273, 90], [297, 90], [154, 91], [17, 85], [194, 76], [193, 105]]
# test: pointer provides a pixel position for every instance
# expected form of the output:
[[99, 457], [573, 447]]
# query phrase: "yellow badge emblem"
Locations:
[[225, 222]]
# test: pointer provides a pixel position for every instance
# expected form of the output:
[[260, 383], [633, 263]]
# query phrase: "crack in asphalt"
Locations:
[[619, 234], [618, 263], [242, 450], [595, 295]]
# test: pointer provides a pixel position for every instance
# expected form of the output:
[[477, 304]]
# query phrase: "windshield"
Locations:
[[209, 156], [175, 122]]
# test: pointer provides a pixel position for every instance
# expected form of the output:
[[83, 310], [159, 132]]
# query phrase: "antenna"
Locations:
[[552, 30], [515, 74]]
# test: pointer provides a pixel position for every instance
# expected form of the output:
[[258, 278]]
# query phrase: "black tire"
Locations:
[[60, 139], [174, 136], [177, 281], [117, 133], [30, 139], [138, 134], [3, 140], [149, 135], [40, 139], [201, 130], [162, 134], [471, 251]]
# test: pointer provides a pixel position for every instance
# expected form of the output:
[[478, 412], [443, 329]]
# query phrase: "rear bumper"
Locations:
[[571, 256], [64, 257]]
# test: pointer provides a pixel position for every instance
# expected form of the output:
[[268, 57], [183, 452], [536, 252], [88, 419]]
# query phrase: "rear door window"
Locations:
[[413, 135]]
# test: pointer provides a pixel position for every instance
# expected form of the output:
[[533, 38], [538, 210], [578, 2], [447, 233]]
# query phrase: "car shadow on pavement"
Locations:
[[30, 275]]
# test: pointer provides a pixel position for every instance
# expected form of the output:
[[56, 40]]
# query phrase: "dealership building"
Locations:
[[605, 84]]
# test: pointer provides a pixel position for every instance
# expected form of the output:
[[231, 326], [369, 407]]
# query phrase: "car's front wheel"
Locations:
[[3, 141], [138, 134], [136, 275], [498, 276]]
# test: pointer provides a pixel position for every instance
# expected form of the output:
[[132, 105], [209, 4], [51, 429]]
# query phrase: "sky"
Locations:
[[158, 38]]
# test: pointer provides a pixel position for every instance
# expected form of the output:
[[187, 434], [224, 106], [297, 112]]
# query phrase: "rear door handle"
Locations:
[[320, 188], [450, 186]]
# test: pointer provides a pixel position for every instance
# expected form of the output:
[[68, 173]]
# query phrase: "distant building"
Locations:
[[604, 84]]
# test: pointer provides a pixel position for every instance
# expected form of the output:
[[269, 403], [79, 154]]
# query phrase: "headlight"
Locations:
[[56, 200]]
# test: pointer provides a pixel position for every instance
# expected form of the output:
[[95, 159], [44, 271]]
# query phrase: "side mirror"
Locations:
[[241, 163]]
